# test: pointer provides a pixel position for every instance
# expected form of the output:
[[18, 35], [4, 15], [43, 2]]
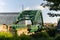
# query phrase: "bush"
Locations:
[[36, 36], [25, 37], [57, 37], [41, 36], [6, 34], [51, 32], [10, 36]]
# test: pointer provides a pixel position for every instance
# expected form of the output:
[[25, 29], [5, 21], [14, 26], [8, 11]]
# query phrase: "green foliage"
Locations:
[[51, 32], [10, 36], [41, 36], [6, 34], [53, 4], [25, 37], [37, 36], [34, 28], [57, 37]]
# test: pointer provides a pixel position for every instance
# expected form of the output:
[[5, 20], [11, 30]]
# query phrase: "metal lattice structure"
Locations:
[[34, 15]]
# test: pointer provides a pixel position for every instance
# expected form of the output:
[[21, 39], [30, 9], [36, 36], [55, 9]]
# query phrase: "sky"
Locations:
[[16, 6]]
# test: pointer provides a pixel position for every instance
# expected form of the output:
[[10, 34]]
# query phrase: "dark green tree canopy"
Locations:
[[53, 4]]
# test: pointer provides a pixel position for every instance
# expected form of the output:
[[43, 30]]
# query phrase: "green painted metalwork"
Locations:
[[34, 28], [34, 15], [38, 17], [18, 26]]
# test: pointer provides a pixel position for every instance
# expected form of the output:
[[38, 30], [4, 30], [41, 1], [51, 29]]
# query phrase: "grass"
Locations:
[[6, 34], [37, 36]]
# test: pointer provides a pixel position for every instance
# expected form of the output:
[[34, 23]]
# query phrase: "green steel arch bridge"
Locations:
[[34, 15]]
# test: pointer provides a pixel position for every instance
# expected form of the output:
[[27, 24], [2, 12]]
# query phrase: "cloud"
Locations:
[[27, 8], [40, 7], [36, 8]]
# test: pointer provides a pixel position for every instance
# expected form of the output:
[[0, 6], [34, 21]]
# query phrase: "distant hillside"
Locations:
[[8, 17]]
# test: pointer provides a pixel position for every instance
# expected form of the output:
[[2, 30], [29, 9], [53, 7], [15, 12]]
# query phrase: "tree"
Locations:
[[53, 4]]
